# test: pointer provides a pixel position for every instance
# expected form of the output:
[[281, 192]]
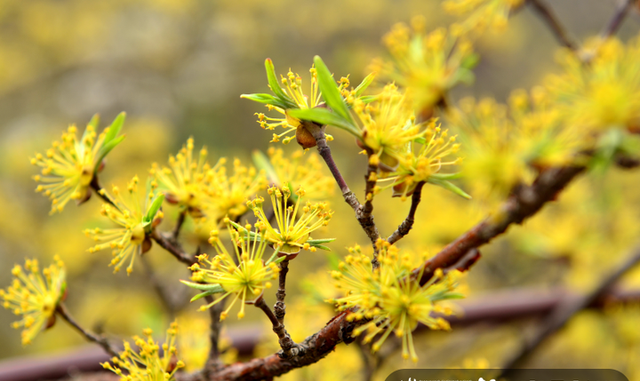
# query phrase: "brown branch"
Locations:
[[213, 360], [525, 202], [289, 348], [172, 248], [280, 308], [565, 310], [617, 18], [176, 230], [364, 214], [407, 224], [553, 23], [95, 185], [101, 341]]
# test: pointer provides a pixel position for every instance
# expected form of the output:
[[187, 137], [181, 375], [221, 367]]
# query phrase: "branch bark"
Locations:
[[554, 24]]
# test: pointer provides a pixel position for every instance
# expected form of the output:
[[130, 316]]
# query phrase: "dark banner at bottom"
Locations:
[[506, 375]]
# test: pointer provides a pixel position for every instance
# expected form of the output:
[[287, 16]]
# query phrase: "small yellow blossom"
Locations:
[[188, 180], [70, 165], [151, 362], [603, 93], [389, 298], [231, 192], [427, 162], [301, 169], [34, 296], [388, 126], [246, 275], [292, 232], [135, 223], [481, 13], [426, 65]]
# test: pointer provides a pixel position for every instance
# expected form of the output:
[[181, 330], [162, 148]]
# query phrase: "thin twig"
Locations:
[[554, 24], [407, 224], [365, 216], [176, 230], [618, 17], [101, 341], [165, 298], [280, 308], [566, 310], [171, 248], [289, 348], [95, 185]]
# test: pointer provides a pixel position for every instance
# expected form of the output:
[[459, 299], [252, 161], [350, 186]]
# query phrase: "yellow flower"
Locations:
[[426, 65], [389, 299], [425, 164], [34, 296], [292, 232], [71, 164], [246, 275], [135, 221], [151, 362], [481, 13], [188, 180], [302, 169], [388, 126], [605, 92]]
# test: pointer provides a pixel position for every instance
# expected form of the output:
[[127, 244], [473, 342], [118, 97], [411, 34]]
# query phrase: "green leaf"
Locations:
[[106, 148], [262, 162], [95, 121], [115, 127], [326, 117], [364, 84], [205, 294], [266, 99], [321, 240], [447, 176], [203, 287], [368, 98], [275, 84], [329, 90], [470, 61], [451, 295], [448, 186], [153, 209]]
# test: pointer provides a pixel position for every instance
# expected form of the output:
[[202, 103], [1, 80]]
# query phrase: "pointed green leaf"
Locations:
[[329, 90], [448, 186], [153, 209], [364, 84], [447, 176], [266, 99], [95, 121], [205, 294], [203, 287], [106, 149], [274, 84], [321, 240], [262, 162], [326, 117], [115, 127]]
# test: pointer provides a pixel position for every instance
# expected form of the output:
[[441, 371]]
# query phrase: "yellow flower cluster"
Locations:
[[292, 233], [207, 192], [388, 126], [292, 87], [130, 239], [504, 145], [151, 362], [68, 167], [388, 298], [481, 13], [188, 182], [424, 163], [246, 275], [301, 170], [35, 297], [605, 92], [427, 65]]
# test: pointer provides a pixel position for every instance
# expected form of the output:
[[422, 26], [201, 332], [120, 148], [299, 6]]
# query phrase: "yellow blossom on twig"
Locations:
[[301, 169], [151, 362], [35, 297], [135, 220], [481, 14], [244, 275]]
